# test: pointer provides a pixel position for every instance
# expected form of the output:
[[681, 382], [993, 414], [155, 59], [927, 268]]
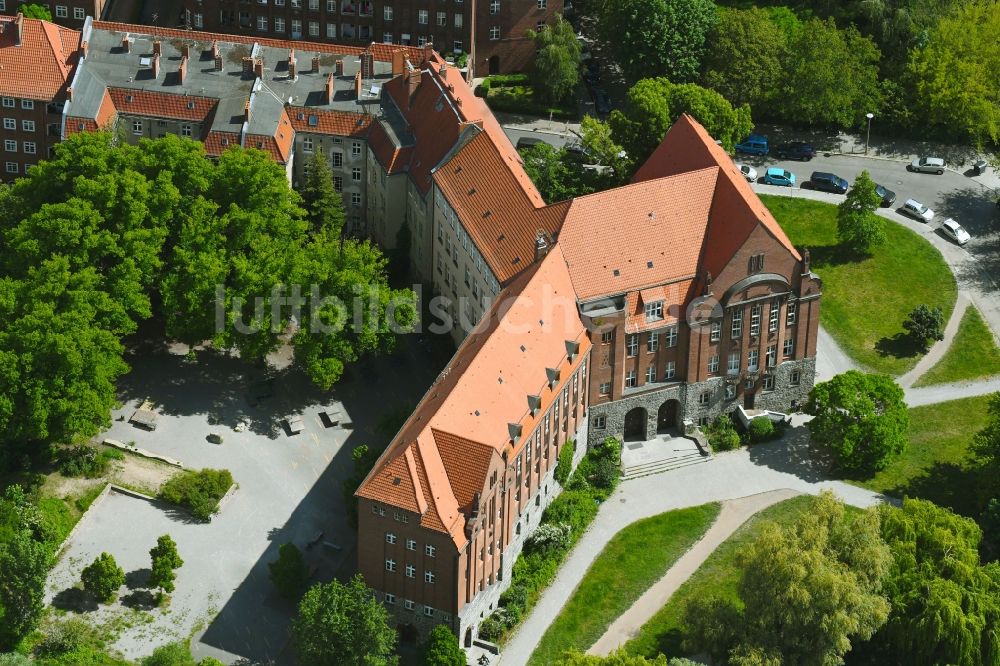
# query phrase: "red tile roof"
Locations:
[[39, 68], [466, 462], [105, 116], [162, 105], [217, 142], [392, 159], [339, 123]]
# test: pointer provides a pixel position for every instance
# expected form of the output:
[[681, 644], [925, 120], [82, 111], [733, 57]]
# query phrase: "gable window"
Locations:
[[757, 263], [78, 13], [652, 341], [755, 313], [632, 344], [790, 313], [737, 325], [61, 11], [772, 316], [654, 311], [185, 130]]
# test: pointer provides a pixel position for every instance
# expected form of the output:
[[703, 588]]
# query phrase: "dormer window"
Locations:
[[654, 311]]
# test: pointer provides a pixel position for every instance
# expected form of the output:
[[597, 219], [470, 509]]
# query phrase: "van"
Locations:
[[755, 144]]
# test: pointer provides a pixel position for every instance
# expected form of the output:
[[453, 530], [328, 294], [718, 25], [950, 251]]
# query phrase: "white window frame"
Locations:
[[654, 311], [79, 13], [390, 565], [459, 20], [772, 316], [494, 33], [788, 349], [730, 391], [10, 145], [429, 577], [600, 422], [632, 344], [61, 11], [422, 16], [670, 371], [715, 333], [755, 314], [411, 544], [387, 13], [604, 388], [713, 364], [410, 571], [29, 147], [408, 604], [9, 102], [650, 374], [355, 148], [137, 127], [652, 342], [736, 327], [733, 363], [769, 383], [670, 336], [9, 124], [753, 360], [314, 28], [791, 313], [430, 550], [12, 167], [631, 378]]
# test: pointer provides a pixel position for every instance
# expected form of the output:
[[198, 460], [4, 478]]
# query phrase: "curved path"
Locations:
[[732, 515]]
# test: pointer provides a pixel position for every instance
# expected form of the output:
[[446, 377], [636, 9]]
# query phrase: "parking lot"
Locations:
[[289, 490]]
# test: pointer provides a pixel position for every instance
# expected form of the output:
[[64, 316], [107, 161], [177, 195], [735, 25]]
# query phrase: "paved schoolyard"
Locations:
[[289, 489]]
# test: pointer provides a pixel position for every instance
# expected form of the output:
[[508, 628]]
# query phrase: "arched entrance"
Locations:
[[408, 633], [666, 416], [635, 424], [494, 65]]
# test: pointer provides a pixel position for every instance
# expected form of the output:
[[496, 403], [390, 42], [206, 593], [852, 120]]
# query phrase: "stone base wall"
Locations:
[[614, 412]]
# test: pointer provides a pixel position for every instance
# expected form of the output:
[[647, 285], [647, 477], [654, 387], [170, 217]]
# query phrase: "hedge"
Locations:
[[198, 492]]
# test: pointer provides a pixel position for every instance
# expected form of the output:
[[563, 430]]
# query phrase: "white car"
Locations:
[[955, 232], [927, 165], [748, 172], [917, 210]]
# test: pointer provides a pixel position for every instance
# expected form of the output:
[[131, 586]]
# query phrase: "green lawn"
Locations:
[[865, 302], [972, 354], [717, 577], [936, 465], [631, 562], [521, 99]]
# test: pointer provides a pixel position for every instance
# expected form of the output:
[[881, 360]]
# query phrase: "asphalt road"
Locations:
[[557, 139]]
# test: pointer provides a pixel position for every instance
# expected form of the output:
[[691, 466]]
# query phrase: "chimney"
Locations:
[[258, 68], [291, 64], [186, 51], [414, 83], [183, 68], [428, 52], [156, 65], [218, 62], [216, 52], [357, 86], [157, 48], [18, 24], [338, 68], [84, 48], [443, 68], [126, 44], [367, 65], [69, 94], [328, 97], [247, 66], [246, 111], [315, 65], [398, 62]]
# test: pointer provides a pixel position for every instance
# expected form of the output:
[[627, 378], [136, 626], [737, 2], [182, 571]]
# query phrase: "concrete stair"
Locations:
[[680, 459]]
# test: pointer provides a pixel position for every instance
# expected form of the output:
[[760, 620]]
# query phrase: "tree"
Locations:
[[861, 417], [289, 573], [859, 228], [441, 648], [35, 11], [805, 591], [617, 658], [323, 203], [925, 324], [556, 68], [177, 654], [103, 577], [653, 106], [343, 625], [945, 603], [553, 173], [165, 559], [600, 148], [744, 58], [24, 566], [830, 76], [986, 442], [955, 80], [658, 37]]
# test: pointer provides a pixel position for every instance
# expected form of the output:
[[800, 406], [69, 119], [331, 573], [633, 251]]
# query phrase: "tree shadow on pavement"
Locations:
[[141, 600], [794, 454], [137, 579], [74, 599]]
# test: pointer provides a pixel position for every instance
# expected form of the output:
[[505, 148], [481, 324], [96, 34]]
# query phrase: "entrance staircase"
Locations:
[[663, 454]]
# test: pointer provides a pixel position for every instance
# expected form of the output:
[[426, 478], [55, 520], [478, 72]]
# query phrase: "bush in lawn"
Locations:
[[760, 430], [575, 508], [86, 461], [565, 462], [176, 654], [722, 435], [289, 573], [549, 537], [103, 577], [199, 492], [65, 637], [606, 474]]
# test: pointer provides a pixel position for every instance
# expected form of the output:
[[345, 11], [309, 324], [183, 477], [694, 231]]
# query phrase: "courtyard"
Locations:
[[287, 489]]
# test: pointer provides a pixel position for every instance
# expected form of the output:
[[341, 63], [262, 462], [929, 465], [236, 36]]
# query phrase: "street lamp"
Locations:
[[869, 134]]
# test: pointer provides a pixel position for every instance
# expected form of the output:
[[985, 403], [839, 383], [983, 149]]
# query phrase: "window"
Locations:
[[748, 384], [755, 313], [137, 127], [199, 21], [734, 363], [458, 21], [730, 391], [408, 605], [428, 576], [422, 16], [442, 18], [3, 5], [331, 29], [671, 336], [401, 517], [356, 148], [772, 316], [606, 337], [429, 550], [29, 147], [314, 5], [789, 347], [790, 313], [494, 7], [716, 333], [9, 124], [390, 564], [10, 146], [390, 537], [713, 364], [605, 388], [411, 544], [8, 102], [671, 370], [61, 11], [600, 422], [185, 130], [307, 144], [262, 23], [772, 355], [377, 509], [428, 611], [356, 174], [331, 5], [542, 4], [296, 27], [390, 598], [650, 374], [737, 328], [704, 398], [753, 357], [630, 379], [421, 41], [652, 341], [794, 380], [757, 263], [387, 12], [355, 198], [78, 13], [411, 571], [338, 183], [654, 310], [769, 383], [632, 344], [338, 159], [314, 28], [494, 33]]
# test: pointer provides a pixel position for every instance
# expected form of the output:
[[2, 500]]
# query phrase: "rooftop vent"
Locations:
[[396, 481], [486, 214], [616, 272], [190, 105], [523, 348], [313, 121], [472, 191], [476, 412], [649, 264], [500, 237]]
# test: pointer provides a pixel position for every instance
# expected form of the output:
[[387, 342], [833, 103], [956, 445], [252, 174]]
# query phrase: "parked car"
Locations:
[[888, 196], [527, 142], [917, 211], [828, 182], [601, 102], [748, 172], [927, 165], [795, 150], [955, 231], [778, 176], [755, 144]]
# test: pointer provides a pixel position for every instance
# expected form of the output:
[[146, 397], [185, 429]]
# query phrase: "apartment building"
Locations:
[[499, 26], [66, 13]]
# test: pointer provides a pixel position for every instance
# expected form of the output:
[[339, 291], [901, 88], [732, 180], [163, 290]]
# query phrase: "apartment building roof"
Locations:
[[36, 57], [483, 391]]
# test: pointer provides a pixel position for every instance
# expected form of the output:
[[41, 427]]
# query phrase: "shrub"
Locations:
[[575, 508], [199, 492], [606, 474], [65, 637], [442, 648], [83, 460], [722, 435], [103, 577], [506, 80], [484, 88], [549, 537], [490, 628], [289, 573], [565, 462], [171, 654], [760, 429]]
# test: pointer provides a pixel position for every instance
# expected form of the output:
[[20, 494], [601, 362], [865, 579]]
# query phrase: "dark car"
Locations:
[[888, 196], [796, 150], [601, 102], [828, 182]]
